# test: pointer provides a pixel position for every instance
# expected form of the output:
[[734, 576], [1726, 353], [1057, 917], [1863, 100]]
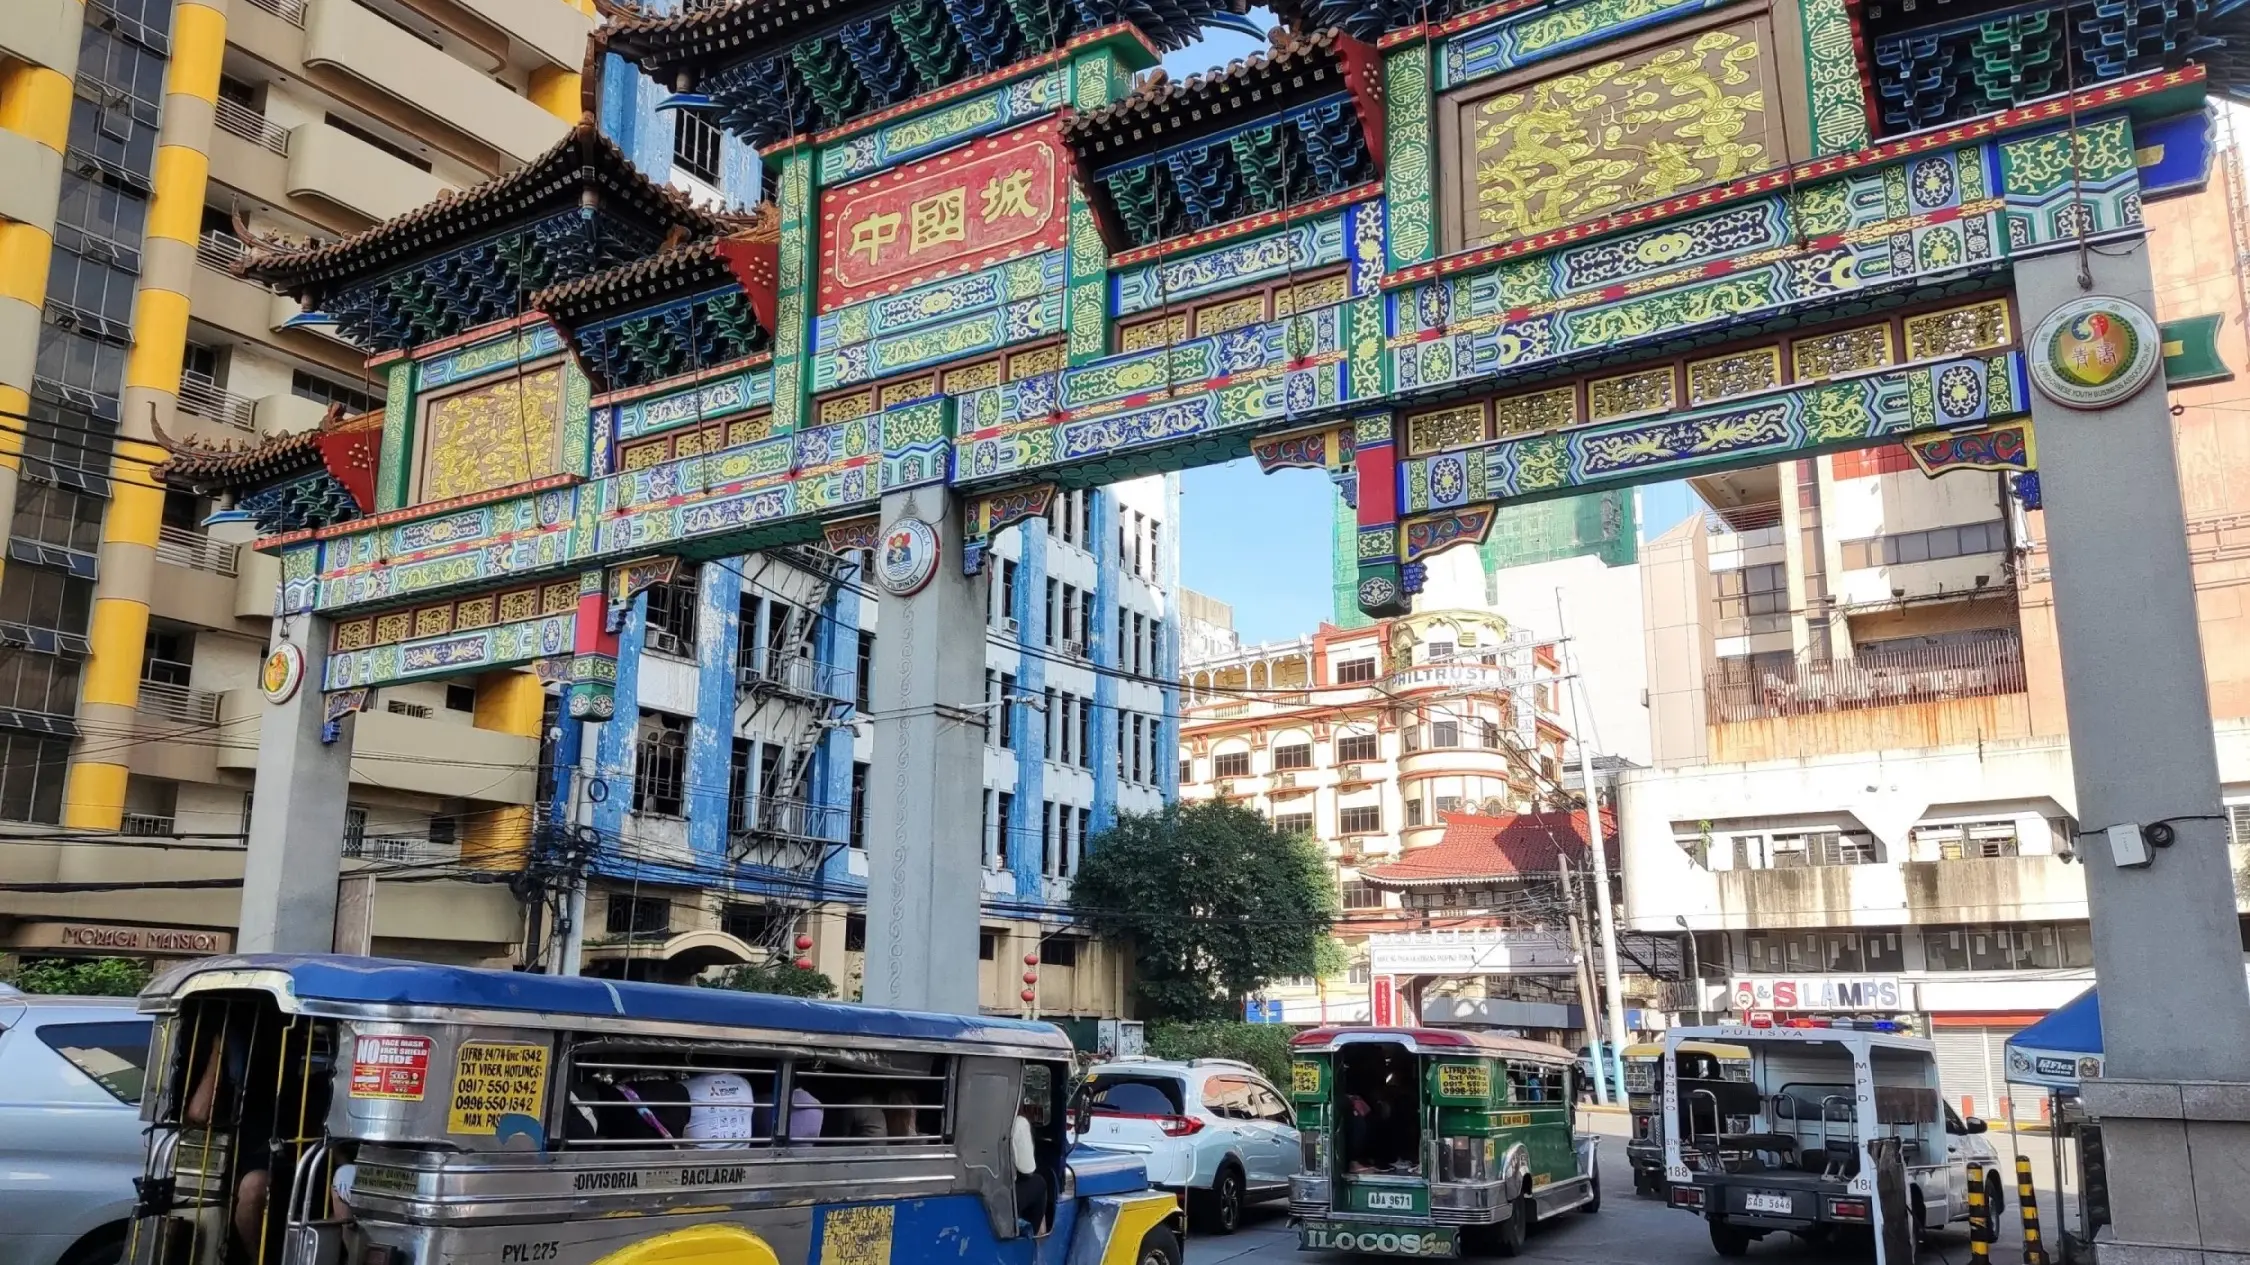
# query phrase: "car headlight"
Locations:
[[1463, 1159]]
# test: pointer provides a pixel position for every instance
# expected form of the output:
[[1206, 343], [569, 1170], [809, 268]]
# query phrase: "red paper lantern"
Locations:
[[804, 964], [803, 943], [1028, 995], [1031, 977], [1031, 959]]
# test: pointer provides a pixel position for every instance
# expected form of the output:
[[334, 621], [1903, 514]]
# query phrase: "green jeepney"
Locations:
[[1433, 1142]]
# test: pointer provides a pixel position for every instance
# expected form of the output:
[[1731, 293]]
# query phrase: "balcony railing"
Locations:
[[774, 817], [399, 848], [1887, 678], [794, 674], [290, 11], [183, 703], [237, 119], [219, 251], [195, 551], [204, 398], [145, 826]]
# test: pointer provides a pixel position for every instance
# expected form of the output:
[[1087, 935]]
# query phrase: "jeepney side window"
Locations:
[[670, 1094], [873, 1096]]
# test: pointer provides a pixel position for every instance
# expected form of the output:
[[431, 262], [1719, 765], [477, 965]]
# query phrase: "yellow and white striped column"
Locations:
[[508, 702], [95, 795], [38, 61]]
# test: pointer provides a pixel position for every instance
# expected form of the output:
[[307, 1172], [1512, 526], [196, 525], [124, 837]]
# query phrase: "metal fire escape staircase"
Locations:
[[780, 828]]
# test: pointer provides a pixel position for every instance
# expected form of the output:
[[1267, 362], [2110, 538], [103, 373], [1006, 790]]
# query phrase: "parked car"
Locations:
[[1968, 1145], [70, 1127], [1213, 1129]]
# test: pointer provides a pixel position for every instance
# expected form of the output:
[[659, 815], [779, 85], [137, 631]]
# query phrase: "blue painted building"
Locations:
[[728, 794]]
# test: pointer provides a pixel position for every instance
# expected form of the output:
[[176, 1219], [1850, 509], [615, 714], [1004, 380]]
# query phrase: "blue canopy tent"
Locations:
[[2062, 1049]]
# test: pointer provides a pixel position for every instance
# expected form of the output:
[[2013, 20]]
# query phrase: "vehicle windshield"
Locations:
[[1127, 1094]]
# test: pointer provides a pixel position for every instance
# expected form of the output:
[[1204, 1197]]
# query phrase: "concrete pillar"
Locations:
[[296, 847], [2167, 944], [94, 798], [925, 787]]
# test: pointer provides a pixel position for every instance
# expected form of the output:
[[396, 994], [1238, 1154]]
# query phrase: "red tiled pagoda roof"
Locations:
[[1474, 849]]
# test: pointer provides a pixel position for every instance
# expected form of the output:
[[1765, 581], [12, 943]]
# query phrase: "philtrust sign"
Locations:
[[1822, 992], [1467, 953]]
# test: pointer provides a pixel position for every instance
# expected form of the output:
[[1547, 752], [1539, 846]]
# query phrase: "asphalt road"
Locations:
[[1629, 1230]]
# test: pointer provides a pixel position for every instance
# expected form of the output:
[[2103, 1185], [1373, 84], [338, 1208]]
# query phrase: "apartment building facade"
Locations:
[[1371, 740], [143, 140], [1862, 792], [749, 678]]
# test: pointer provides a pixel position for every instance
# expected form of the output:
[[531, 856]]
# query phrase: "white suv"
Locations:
[[1213, 1129]]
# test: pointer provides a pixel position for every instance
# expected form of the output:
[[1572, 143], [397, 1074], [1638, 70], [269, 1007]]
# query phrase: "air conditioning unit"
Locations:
[[1224, 786], [1010, 624], [1355, 773], [1075, 649], [663, 642], [1284, 779]]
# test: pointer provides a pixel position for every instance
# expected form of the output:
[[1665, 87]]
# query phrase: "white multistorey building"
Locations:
[[1862, 797]]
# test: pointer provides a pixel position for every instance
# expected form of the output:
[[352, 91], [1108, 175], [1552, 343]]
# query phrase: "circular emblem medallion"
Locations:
[[282, 672], [2093, 352], [907, 556]]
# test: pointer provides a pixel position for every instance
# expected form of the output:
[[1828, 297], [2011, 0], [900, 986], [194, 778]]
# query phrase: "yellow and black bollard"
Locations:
[[2034, 1250], [1980, 1218]]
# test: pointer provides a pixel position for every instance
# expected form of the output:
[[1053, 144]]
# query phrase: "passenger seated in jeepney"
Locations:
[[259, 1082]]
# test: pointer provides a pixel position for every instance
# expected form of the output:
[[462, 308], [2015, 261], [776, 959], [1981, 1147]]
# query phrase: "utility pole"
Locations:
[[1581, 728], [1582, 967]]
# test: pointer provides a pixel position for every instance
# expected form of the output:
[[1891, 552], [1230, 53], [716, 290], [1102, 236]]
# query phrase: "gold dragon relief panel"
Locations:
[[1681, 116], [493, 437]]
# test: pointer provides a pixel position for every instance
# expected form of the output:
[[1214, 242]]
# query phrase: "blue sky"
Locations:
[[1262, 542]]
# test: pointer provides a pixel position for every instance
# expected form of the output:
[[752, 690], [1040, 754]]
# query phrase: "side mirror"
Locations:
[[1975, 1125], [1081, 1118]]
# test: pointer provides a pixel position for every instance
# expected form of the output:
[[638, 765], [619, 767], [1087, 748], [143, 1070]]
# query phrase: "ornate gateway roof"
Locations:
[[309, 478], [772, 69], [1177, 156], [685, 308], [473, 257]]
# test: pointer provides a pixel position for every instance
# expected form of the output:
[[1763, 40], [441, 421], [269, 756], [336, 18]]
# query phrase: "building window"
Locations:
[[695, 145], [1296, 755], [859, 804], [738, 786], [45, 599], [1355, 672], [1968, 840], [1007, 710], [855, 933], [638, 915], [1293, 823], [757, 925], [2020, 946], [659, 764], [57, 516], [1748, 591], [1008, 590], [1491, 736], [1085, 733], [1358, 895], [31, 778], [1060, 951], [1358, 749], [1231, 764], [671, 613], [863, 696], [1054, 611], [461, 698], [1926, 546], [988, 946], [1445, 733], [1004, 809], [313, 387], [1414, 811], [1437, 652], [1363, 820], [1187, 772]]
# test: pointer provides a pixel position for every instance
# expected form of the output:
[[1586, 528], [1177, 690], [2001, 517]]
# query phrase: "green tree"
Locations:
[[776, 976], [95, 977], [1215, 901]]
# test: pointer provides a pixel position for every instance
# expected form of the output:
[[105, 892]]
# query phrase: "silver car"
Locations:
[[70, 1127]]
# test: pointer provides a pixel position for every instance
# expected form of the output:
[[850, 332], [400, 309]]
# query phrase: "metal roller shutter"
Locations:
[[1972, 1068]]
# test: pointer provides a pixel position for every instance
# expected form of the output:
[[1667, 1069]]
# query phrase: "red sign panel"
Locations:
[[1385, 1002], [390, 1067], [976, 206]]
